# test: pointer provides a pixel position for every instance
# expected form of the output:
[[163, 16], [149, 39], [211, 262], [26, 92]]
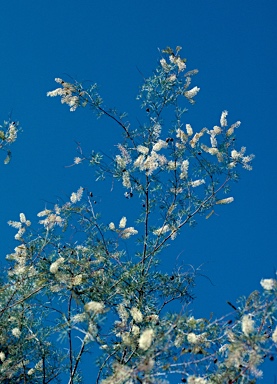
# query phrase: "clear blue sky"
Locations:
[[232, 43]]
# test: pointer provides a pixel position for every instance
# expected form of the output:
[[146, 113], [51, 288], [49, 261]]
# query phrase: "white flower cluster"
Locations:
[[67, 94], [269, 284], [145, 339], [95, 307], [11, 133], [196, 339], [123, 232], [228, 200], [77, 196], [52, 217], [191, 93], [177, 61], [247, 324], [20, 257], [20, 225], [160, 231], [150, 162], [136, 314], [236, 157], [54, 267]]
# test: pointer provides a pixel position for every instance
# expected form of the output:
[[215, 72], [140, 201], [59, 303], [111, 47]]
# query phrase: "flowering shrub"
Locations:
[[71, 287]]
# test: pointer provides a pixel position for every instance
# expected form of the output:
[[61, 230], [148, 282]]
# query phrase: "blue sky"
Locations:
[[233, 44]]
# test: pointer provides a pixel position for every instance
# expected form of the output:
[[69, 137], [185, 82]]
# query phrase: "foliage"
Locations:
[[72, 292]]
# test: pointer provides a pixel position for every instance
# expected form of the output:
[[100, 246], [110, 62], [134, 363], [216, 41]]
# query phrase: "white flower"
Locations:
[[31, 372], [223, 121], [247, 324], [127, 232], [122, 223], [213, 141], [122, 312], [268, 284], [54, 267], [164, 65], [192, 338], [112, 226], [196, 137], [184, 169], [235, 154], [192, 92], [79, 318], [196, 183], [15, 224], [172, 165], [181, 134], [16, 332], [77, 280], [228, 200], [159, 145], [230, 131], [180, 63], [76, 196], [189, 130], [136, 314], [94, 306], [145, 339], [77, 160], [2, 356], [45, 212], [142, 149], [135, 330], [162, 230], [139, 161], [171, 78], [22, 218], [216, 130], [126, 182]]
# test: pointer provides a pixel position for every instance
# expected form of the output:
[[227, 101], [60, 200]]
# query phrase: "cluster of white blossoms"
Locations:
[[20, 225], [54, 267], [150, 161], [146, 338], [164, 229], [176, 61], [16, 332], [123, 232], [196, 339], [247, 324], [77, 160], [192, 93], [269, 284], [236, 157], [68, 94], [95, 307], [121, 374], [20, 257], [11, 134], [227, 200], [76, 196], [136, 314], [52, 217]]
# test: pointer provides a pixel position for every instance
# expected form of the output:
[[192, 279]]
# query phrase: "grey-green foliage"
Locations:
[[72, 289]]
